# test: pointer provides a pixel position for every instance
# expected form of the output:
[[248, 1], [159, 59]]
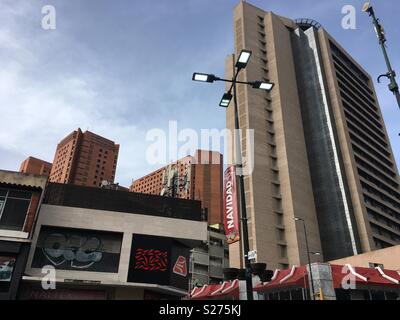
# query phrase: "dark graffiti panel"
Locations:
[[158, 260], [76, 249], [150, 259]]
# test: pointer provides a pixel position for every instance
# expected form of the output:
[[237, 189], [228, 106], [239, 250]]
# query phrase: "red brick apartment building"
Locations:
[[192, 177], [35, 166], [84, 158]]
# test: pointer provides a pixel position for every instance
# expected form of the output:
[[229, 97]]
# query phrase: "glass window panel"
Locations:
[[20, 194], [14, 213]]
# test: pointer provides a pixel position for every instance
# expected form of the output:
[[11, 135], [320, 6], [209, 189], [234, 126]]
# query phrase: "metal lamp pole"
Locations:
[[225, 101], [391, 74], [243, 210], [308, 256]]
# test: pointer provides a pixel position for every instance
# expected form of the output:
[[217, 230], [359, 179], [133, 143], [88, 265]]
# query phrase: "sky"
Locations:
[[121, 68]]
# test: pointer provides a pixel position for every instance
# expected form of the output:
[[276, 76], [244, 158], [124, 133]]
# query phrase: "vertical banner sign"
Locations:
[[231, 216]]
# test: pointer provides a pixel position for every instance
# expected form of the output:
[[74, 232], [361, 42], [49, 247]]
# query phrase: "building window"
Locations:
[[283, 251], [375, 265], [14, 207], [284, 266]]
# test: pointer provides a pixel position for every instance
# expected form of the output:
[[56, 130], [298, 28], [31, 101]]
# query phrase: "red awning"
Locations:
[[294, 277], [217, 291], [202, 292], [227, 289], [364, 276]]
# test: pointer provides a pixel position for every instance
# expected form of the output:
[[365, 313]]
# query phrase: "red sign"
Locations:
[[180, 266], [231, 216]]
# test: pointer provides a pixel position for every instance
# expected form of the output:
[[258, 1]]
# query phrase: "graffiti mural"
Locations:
[[6, 268], [73, 249], [81, 252]]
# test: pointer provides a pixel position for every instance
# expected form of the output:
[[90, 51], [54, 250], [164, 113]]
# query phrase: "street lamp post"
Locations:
[[241, 63], [308, 256], [391, 74]]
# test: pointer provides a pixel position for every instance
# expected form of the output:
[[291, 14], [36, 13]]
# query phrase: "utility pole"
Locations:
[[380, 32]]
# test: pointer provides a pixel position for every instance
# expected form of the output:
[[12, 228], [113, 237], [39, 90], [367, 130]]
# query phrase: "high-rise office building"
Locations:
[[84, 158], [35, 166], [197, 177], [322, 152]]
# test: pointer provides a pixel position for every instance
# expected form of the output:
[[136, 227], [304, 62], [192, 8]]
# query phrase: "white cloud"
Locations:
[[39, 106]]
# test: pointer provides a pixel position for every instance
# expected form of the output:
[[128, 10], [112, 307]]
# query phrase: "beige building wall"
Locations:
[[280, 186], [389, 258], [363, 174]]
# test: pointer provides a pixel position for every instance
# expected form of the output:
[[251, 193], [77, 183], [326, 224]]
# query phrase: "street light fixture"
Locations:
[[308, 255], [262, 85], [243, 59], [226, 100], [204, 77], [380, 32], [241, 63], [366, 7]]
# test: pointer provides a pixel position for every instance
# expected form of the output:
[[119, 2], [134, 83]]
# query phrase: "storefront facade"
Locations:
[[20, 199], [106, 254]]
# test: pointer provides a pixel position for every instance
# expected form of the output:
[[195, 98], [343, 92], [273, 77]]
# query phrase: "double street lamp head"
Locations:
[[243, 59], [241, 63], [204, 77]]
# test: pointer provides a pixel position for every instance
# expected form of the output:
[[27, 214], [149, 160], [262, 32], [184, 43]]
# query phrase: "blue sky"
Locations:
[[120, 68]]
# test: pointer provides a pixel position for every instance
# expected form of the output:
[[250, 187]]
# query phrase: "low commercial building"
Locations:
[[93, 243], [20, 199], [332, 282]]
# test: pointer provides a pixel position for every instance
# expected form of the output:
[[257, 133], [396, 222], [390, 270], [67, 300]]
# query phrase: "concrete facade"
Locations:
[[280, 186], [127, 224], [209, 260], [20, 200], [311, 151], [388, 258]]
